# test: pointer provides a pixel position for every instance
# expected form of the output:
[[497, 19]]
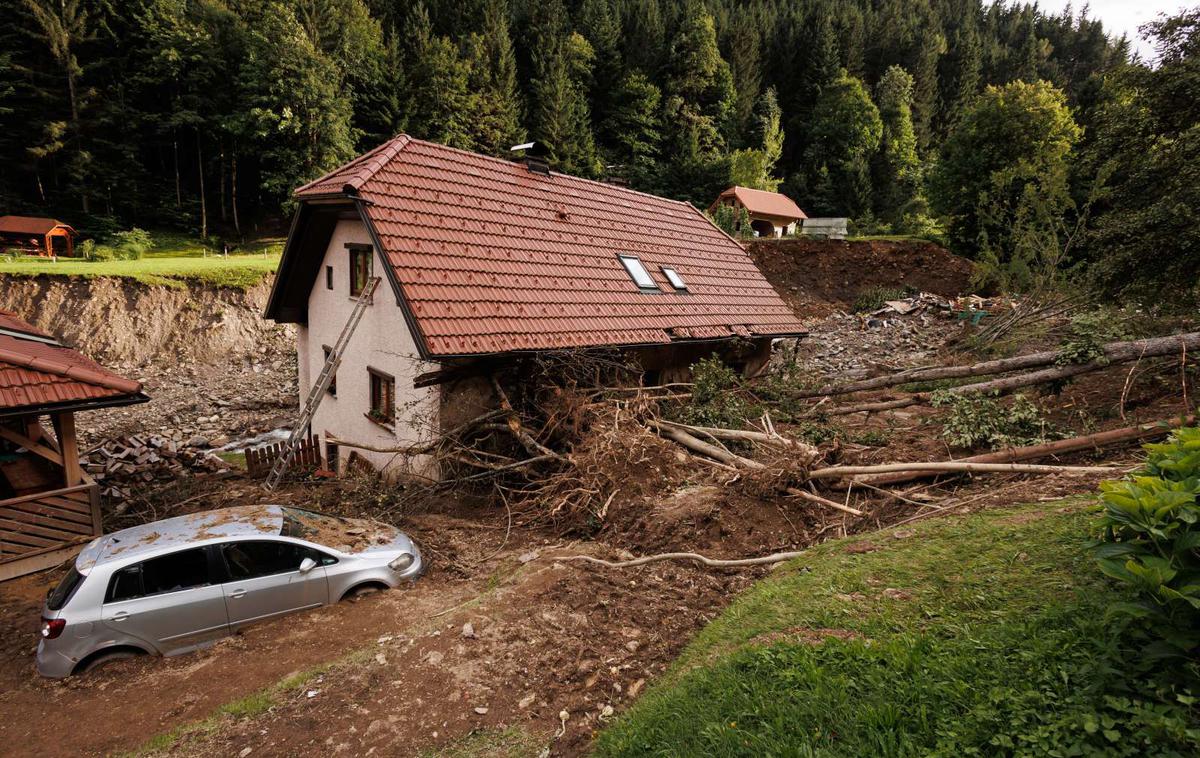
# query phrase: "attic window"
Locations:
[[641, 277], [675, 279]]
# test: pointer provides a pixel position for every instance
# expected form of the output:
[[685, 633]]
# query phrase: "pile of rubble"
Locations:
[[899, 334], [140, 459]]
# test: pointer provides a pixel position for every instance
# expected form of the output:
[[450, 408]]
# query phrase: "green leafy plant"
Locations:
[[132, 244], [873, 298], [1150, 540], [718, 397], [1088, 334], [975, 420]]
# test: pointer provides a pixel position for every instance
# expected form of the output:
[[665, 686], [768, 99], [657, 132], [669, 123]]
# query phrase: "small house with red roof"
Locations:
[[771, 214], [49, 506], [36, 235], [483, 259]]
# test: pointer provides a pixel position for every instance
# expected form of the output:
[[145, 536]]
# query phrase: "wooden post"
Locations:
[[64, 429]]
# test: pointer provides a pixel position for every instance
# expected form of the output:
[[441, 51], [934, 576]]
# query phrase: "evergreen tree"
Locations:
[[961, 75], [635, 124], [897, 174], [645, 37], [700, 104], [559, 117], [845, 136], [746, 67], [753, 167], [443, 105], [599, 26], [62, 26], [496, 125], [298, 111]]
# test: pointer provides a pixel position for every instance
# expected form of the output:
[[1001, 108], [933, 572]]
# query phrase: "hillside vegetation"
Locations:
[[1031, 141]]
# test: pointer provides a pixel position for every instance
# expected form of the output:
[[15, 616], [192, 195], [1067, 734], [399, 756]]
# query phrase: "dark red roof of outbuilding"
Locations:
[[492, 257], [763, 203], [37, 371], [29, 225]]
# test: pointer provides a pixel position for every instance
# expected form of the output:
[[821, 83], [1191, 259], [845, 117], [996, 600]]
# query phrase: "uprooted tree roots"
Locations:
[[570, 434]]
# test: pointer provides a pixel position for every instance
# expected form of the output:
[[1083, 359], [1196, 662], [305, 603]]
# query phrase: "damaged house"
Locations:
[[479, 260]]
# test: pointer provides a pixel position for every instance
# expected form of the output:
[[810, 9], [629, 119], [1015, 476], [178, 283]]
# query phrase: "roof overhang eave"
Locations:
[[613, 346], [75, 405]]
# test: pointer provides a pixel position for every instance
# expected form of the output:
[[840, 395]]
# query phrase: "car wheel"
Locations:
[[103, 659], [362, 591]]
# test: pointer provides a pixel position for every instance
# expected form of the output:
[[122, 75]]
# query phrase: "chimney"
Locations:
[[614, 174], [532, 156]]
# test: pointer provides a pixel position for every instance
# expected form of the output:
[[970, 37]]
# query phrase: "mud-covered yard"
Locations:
[[497, 638]]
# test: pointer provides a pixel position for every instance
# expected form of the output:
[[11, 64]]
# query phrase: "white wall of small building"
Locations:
[[382, 342]]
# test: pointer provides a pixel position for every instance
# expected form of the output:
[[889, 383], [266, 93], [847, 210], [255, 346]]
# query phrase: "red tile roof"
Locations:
[[35, 371], [764, 203], [28, 225], [491, 257]]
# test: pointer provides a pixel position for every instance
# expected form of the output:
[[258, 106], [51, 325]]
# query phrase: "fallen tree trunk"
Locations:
[[1058, 447], [1009, 383], [840, 472], [743, 435], [1114, 352], [999, 386], [700, 446]]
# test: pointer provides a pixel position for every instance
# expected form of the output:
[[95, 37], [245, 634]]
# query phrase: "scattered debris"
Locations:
[[123, 463]]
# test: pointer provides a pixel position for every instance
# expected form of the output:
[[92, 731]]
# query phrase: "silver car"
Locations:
[[172, 586]]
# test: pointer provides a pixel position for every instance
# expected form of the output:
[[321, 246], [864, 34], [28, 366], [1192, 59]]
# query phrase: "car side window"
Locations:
[[125, 584], [176, 571], [255, 558]]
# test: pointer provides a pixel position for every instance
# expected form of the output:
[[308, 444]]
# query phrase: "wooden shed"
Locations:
[[49, 506], [39, 236]]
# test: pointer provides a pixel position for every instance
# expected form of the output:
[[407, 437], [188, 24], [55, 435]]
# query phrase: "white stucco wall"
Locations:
[[383, 342]]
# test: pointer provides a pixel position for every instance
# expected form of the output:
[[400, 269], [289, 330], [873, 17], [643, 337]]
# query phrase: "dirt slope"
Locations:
[[817, 277], [120, 321]]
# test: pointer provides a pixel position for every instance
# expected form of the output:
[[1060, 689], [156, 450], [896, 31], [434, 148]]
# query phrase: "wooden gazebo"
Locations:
[[49, 506], [36, 235]]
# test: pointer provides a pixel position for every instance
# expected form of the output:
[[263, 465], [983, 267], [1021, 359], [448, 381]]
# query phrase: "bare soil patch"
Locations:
[[817, 277]]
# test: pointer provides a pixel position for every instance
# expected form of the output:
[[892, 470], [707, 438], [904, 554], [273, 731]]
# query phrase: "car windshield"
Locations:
[[306, 525], [59, 596], [350, 535]]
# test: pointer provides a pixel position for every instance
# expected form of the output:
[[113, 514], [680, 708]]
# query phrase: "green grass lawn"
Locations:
[[174, 260], [979, 635]]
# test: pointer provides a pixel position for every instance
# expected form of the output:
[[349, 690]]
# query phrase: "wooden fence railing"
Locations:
[[44, 521], [308, 456]]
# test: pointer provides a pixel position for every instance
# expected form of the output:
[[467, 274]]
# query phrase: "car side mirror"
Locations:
[[307, 565]]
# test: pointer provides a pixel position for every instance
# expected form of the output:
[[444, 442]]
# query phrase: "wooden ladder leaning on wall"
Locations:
[[317, 393]]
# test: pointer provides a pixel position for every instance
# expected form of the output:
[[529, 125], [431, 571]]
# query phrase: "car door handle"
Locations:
[[120, 616], [237, 593]]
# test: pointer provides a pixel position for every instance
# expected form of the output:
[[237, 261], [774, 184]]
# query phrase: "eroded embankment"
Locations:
[[817, 277], [122, 321]]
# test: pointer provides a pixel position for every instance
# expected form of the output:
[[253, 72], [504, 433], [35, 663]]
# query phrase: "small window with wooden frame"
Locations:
[[329, 277], [360, 268], [383, 397], [332, 388]]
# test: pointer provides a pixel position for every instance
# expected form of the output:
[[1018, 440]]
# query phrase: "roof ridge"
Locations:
[[597, 182], [357, 180], [78, 373]]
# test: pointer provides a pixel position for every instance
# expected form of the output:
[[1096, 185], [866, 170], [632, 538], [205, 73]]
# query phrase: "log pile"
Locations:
[[121, 464]]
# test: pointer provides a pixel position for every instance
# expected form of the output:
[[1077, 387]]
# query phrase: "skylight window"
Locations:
[[641, 277], [675, 279]]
